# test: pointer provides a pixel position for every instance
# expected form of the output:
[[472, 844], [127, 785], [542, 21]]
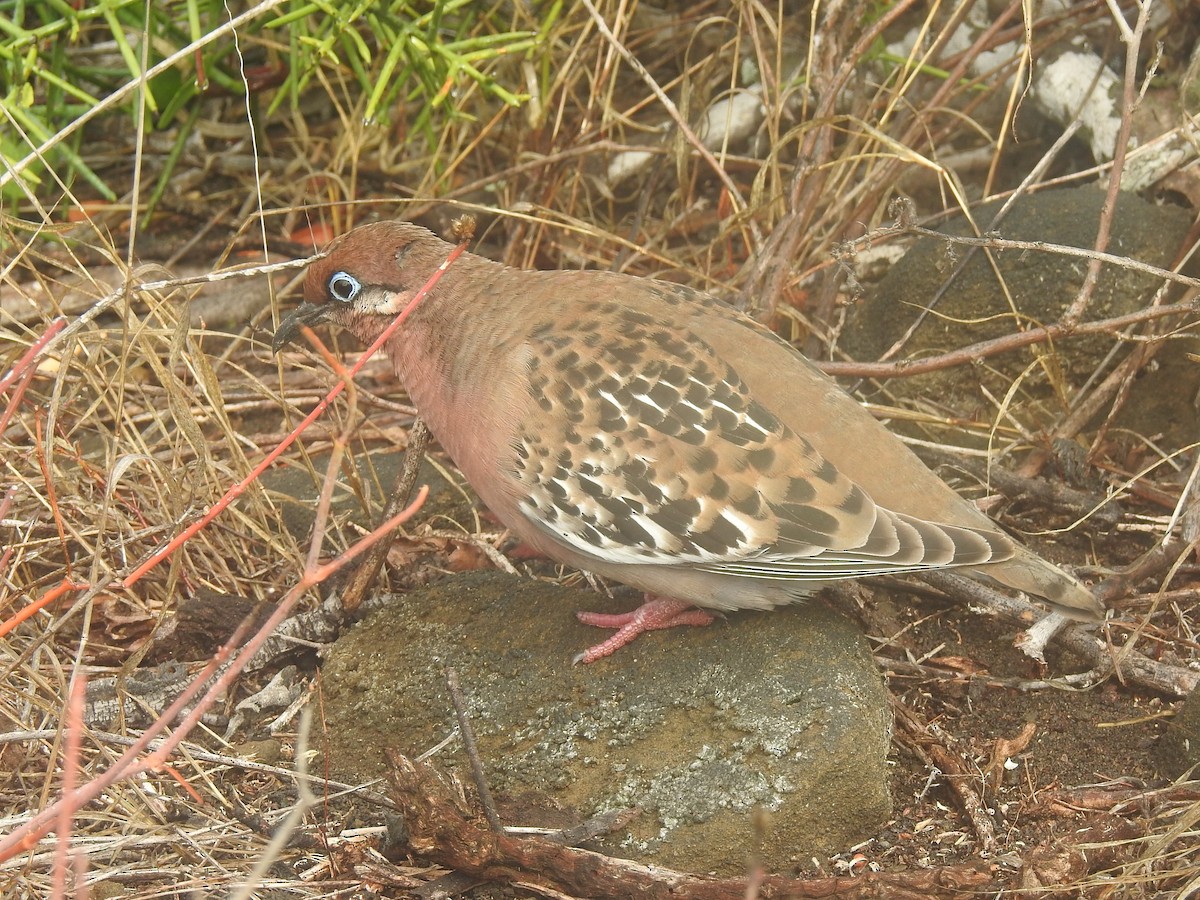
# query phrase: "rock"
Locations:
[[780, 712], [1178, 750], [974, 307], [296, 490]]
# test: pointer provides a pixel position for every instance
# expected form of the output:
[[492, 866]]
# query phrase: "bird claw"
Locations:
[[654, 614]]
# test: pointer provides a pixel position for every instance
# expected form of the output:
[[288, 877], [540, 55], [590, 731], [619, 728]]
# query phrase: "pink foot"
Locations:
[[657, 612]]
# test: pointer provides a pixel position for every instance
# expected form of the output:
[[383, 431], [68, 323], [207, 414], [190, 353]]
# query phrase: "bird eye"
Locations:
[[343, 286]]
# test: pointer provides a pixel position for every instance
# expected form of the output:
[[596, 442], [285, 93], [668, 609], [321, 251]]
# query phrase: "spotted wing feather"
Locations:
[[647, 448]]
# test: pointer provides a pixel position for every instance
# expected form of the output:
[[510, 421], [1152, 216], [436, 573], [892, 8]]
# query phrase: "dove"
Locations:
[[648, 433]]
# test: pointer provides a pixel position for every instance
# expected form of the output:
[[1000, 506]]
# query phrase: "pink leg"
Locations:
[[657, 612]]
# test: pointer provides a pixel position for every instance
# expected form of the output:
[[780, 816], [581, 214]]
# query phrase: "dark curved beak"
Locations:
[[289, 328]]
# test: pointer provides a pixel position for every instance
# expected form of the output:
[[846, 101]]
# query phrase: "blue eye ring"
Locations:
[[343, 287]]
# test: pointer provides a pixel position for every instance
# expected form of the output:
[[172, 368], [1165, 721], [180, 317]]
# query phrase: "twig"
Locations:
[[931, 744], [984, 349], [1133, 40], [1103, 511], [472, 748], [481, 542], [134, 759], [672, 110], [197, 753], [1150, 564], [35, 350], [1084, 409], [365, 572], [70, 769], [1134, 668], [1187, 509], [1006, 207], [305, 800], [441, 828], [996, 242], [830, 66]]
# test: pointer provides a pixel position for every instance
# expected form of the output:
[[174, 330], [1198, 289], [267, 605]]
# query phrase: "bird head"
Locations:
[[366, 276]]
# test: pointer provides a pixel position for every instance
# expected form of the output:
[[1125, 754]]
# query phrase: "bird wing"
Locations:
[[642, 446]]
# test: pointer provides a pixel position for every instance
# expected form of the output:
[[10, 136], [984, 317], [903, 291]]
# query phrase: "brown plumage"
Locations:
[[649, 433]]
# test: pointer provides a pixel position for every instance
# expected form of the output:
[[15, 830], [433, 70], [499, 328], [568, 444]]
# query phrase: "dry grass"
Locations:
[[138, 419]]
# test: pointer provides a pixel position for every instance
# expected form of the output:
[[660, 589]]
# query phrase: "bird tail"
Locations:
[[1033, 575]]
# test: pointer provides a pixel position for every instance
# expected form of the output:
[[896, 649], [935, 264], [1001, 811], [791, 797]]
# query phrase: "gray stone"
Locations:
[[971, 305], [707, 729], [358, 498], [1178, 750]]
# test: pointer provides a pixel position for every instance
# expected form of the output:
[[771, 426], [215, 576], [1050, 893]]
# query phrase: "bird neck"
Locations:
[[453, 354]]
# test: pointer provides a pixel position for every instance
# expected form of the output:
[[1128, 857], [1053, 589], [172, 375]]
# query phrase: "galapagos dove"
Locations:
[[649, 433]]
